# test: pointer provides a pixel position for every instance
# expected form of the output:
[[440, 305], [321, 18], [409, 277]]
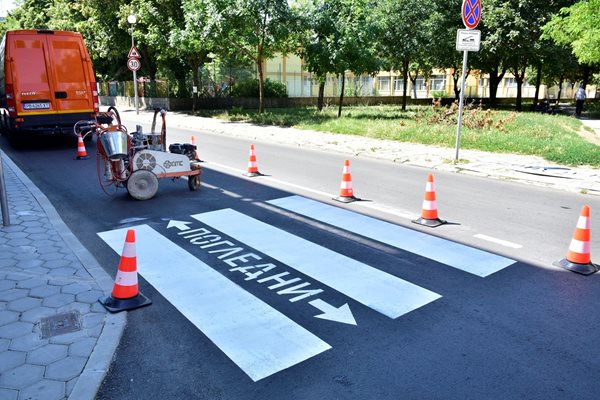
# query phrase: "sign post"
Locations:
[[466, 40], [132, 62]]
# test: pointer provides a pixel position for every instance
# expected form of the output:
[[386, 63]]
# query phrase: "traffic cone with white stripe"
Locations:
[[346, 190], [81, 153], [429, 214], [252, 164], [125, 294], [196, 158], [579, 258]]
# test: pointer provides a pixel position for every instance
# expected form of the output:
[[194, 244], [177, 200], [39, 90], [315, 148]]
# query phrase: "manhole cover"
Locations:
[[60, 324], [555, 172]]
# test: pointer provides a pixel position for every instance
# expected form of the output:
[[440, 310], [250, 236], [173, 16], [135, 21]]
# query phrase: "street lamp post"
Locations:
[[132, 19]]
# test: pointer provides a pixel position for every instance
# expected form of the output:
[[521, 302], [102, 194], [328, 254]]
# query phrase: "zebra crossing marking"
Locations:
[[385, 293], [255, 336], [465, 258]]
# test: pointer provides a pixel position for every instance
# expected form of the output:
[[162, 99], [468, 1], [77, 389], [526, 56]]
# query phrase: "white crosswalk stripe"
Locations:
[[258, 338], [370, 286], [468, 259]]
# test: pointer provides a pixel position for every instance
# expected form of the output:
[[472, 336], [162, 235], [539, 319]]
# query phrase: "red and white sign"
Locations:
[[134, 64], [134, 53], [471, 13]]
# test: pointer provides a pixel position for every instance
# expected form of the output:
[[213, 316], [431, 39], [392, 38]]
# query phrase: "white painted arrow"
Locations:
[[341, 314], [181, 225]]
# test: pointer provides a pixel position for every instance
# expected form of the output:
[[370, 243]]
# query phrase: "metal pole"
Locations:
[[3, 196], [461, 103], [135, 88]]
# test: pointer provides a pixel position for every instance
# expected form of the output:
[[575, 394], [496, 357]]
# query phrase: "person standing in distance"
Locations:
[[579, 100]]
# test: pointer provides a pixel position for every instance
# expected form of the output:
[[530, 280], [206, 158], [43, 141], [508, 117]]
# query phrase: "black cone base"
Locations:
[[584, 269], [432, 223], [81, 157], [117, 305], [253, 174], [346, 199]]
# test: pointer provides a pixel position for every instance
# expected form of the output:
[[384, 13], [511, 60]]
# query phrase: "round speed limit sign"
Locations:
[[133, 64]]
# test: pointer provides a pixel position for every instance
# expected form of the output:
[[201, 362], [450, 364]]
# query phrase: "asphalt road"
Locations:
[[526, 331]]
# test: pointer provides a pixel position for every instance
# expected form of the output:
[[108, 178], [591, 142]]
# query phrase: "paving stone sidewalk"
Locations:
[[56, 340]]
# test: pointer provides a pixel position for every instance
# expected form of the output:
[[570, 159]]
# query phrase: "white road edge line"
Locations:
[[502, 242], [388, 210]]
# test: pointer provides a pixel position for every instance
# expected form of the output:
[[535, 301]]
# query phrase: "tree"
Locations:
[[195, 39], [405, 33], [578, 27], [443, 45], [316, 41], [338, 36], [254, 29]]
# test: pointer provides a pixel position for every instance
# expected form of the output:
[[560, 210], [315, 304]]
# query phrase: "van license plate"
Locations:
[[36, 106]]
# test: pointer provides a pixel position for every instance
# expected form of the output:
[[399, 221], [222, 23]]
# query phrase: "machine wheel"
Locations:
[[194, 182], [142, 184]]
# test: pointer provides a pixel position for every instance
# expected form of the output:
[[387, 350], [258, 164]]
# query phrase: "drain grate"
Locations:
[[60, 324]]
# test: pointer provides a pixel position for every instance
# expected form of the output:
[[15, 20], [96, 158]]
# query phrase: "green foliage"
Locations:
[[553, 137], [578, 27], [249, 88]]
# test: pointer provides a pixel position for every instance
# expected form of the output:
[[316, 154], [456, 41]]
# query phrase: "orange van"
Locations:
[[47, 82]]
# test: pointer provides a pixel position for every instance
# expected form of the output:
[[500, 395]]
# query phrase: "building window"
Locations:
[[483, 82], [437, 83], [399, 84], [384, 83], [510, 83], [420, 84]]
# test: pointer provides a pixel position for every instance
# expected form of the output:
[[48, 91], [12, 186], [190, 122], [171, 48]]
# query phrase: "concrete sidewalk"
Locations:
[[530, 170], [56, 340]]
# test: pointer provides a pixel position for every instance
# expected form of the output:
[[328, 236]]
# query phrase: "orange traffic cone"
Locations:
[[196, 158], [252, 165], [81, 153], [429, 214], [578, 257], [125, 294], [346, 191]]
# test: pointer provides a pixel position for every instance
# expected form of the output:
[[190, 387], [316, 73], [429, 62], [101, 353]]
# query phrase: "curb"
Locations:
[[99, 361]]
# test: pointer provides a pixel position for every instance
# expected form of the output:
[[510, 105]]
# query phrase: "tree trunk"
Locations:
[[560, 84], [586, 75], [520, 78], [342, 95], [414, 84], [261, 86], [456, 78], [405, 88], [495, 79], [195, 64], [538, 83], [321, 95], [519, 93]]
